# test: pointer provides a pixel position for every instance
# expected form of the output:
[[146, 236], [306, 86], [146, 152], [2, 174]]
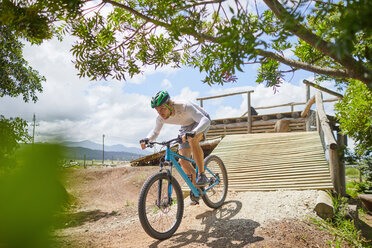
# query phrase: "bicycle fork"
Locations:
[[159, 202]]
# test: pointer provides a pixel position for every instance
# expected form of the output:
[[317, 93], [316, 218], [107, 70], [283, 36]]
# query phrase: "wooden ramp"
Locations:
[[274, 161]]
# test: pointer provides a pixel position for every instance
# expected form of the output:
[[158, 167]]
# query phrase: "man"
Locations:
[[193, 120]]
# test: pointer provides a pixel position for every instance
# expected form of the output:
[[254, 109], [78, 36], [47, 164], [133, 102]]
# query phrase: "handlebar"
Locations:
[[165, 143], [169, 142]]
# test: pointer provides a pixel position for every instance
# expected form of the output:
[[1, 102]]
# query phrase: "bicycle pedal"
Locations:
[[193, 199]]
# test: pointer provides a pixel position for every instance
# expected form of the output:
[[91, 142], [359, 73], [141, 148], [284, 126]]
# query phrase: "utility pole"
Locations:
[[33, 131], [103, 149]]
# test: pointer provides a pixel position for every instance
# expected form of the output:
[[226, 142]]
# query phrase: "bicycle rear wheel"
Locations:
[[215, 170], [160, 206]]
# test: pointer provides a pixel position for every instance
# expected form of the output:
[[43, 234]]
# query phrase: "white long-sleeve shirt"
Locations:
[[186, 113]]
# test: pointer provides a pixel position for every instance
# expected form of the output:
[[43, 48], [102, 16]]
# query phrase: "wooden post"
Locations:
[[103, 149], [305, 113], [307, 93], [85, 158], [331, 143], [317, 122], [308, 117], [341, 142], [292, 108], [249, 117], [324, 122], [201, 102], [307, 122], [334, 168]]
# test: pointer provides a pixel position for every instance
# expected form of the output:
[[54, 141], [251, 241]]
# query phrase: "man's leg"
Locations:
[[197, 151], [186, 165], [189, 170]]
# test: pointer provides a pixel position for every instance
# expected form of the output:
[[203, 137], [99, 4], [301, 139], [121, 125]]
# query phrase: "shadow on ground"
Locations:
[[80, 218], [220, 230]]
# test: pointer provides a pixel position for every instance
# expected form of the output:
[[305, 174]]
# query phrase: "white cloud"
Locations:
[[150, 70], [187, 94], [166, 84], [226, 112]]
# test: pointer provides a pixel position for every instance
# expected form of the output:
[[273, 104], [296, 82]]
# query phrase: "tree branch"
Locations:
[[354, 68], [203, 3], [157, 22], [300, 65], [215, 19], [351, 71]]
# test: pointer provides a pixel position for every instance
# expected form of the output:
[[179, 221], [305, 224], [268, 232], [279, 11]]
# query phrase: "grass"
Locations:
[[345, 231], [353, 188], [129, 203], [353, 185], [351, 172], [341, 226]]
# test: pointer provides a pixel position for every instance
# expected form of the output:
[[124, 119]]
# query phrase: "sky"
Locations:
[[76, 109]]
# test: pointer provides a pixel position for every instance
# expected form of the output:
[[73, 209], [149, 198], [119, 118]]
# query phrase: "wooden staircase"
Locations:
[[274, 161]]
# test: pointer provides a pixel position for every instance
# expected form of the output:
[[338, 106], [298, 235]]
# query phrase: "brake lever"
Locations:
[[190, 134]]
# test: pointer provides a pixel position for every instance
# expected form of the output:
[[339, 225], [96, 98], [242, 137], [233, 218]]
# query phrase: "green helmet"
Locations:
[[160, 98]]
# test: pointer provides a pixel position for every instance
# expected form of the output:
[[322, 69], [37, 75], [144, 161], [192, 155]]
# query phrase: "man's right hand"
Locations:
[[143, 143]]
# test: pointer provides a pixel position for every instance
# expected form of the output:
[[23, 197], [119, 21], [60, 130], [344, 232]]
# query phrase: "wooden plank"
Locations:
[[274, 161], [324, 122], [309, 103], [323, 89], [224, 95]]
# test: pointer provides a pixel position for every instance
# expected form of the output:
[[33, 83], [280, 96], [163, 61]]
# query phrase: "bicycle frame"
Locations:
[[170, 156]]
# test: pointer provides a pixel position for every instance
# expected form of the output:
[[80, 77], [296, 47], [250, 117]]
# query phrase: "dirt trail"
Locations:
[[106, 216]]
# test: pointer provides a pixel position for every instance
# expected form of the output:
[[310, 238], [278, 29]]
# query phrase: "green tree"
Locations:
[[16, 77], [354, 112], [333, 40], [329, 38], [34, 21], [220, 39], [12, 131]]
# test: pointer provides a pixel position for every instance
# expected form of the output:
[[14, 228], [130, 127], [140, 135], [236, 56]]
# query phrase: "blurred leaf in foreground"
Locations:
[[30, 195]]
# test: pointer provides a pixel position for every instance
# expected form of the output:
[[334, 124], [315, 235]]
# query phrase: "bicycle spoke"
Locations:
[[216, 193], [160, 215], [217, 175]]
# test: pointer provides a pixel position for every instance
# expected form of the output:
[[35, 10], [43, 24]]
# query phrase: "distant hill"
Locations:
[[77, 153], [114, 148]]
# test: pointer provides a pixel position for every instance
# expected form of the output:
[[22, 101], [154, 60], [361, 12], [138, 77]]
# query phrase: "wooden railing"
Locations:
[[249, 116], [336, 167]]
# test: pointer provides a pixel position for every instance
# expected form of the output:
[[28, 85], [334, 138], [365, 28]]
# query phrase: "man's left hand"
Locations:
[[186, 135]]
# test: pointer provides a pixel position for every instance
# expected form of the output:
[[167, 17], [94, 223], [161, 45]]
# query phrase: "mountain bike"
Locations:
[[161, 205]]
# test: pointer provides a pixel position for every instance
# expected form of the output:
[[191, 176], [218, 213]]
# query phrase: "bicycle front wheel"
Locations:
[[216, 173], [160, 206]]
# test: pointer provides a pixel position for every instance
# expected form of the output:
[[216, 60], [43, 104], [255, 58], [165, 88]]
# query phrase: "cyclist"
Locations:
[[193, 120]]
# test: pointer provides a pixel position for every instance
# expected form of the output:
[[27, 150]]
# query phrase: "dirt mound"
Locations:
[[106, 189], [106, 216]]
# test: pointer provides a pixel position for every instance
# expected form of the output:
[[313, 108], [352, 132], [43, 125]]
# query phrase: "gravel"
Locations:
[[264, 207]]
